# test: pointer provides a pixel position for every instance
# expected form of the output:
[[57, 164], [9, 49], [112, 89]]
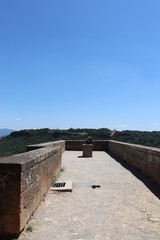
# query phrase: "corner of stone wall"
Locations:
[[24, 180]]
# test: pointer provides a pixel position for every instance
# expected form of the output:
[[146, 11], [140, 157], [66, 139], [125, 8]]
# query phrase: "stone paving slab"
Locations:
[[123, 208]]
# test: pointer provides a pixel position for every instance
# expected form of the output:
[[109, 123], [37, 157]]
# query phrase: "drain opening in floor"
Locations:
[[62, 186], [59, 184]]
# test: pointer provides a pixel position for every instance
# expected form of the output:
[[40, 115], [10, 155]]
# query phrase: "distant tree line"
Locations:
[[17, 141], [151, 139]]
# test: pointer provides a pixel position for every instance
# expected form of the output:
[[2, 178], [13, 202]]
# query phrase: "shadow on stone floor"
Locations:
[[152, 186]]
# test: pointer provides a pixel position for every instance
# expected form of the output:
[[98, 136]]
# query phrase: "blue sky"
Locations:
[[86, 63]]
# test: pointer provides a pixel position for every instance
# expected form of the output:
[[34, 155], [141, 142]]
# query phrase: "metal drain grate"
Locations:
[[62, 186], [59, 184]]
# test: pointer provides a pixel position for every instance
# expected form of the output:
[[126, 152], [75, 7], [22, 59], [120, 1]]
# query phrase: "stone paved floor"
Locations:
[[123, 208]]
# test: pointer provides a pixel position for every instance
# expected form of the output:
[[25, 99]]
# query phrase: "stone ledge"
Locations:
[[60, 143], [24, 180], [23, 161], [145, 159]]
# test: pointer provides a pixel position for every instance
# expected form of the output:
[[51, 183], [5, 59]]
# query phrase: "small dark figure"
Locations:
[[89, 140]]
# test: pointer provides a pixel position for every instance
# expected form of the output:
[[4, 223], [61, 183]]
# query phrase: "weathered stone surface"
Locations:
[[24, 180], [146, 159], [60, 143], [87, 150], [123, 208], [9, 192], [98, 145]]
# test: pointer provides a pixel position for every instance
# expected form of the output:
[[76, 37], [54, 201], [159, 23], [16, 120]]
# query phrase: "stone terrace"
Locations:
[[123, 208]]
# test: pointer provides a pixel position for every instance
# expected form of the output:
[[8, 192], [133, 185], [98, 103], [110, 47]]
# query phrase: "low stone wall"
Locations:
[[60, 143], [24, 180], [98, 145], [146, 159]]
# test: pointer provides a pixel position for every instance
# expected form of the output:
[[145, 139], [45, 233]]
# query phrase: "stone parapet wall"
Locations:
[[60, 143], [76, 145], [146, 159], [24, 180]]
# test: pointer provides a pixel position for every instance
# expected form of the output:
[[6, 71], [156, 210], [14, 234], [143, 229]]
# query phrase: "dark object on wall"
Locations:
[[89, 140]]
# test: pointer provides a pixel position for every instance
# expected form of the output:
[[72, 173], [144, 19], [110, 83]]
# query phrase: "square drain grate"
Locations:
[[62, 186], [59, 184]]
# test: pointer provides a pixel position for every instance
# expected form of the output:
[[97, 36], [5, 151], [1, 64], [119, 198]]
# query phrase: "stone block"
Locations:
[[11, 225], [23, 189], [87, 150]]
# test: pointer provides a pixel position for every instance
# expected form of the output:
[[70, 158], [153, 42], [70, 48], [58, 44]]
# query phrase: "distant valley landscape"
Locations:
[[5, 131], [15, 142]]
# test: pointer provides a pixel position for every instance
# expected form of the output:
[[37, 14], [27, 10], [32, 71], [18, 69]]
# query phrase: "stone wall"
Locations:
[[24, 180], [60, 143], [98, 145], [146, 159]]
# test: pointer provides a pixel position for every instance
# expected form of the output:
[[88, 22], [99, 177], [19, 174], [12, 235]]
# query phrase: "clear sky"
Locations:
[[86, 63]]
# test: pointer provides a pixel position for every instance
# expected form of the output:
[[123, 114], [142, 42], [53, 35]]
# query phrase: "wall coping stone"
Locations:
[[140, 147], [23, 161], [46, 144]]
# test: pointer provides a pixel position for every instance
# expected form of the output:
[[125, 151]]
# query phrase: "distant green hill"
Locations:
[[17, 141], [145, 138]]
